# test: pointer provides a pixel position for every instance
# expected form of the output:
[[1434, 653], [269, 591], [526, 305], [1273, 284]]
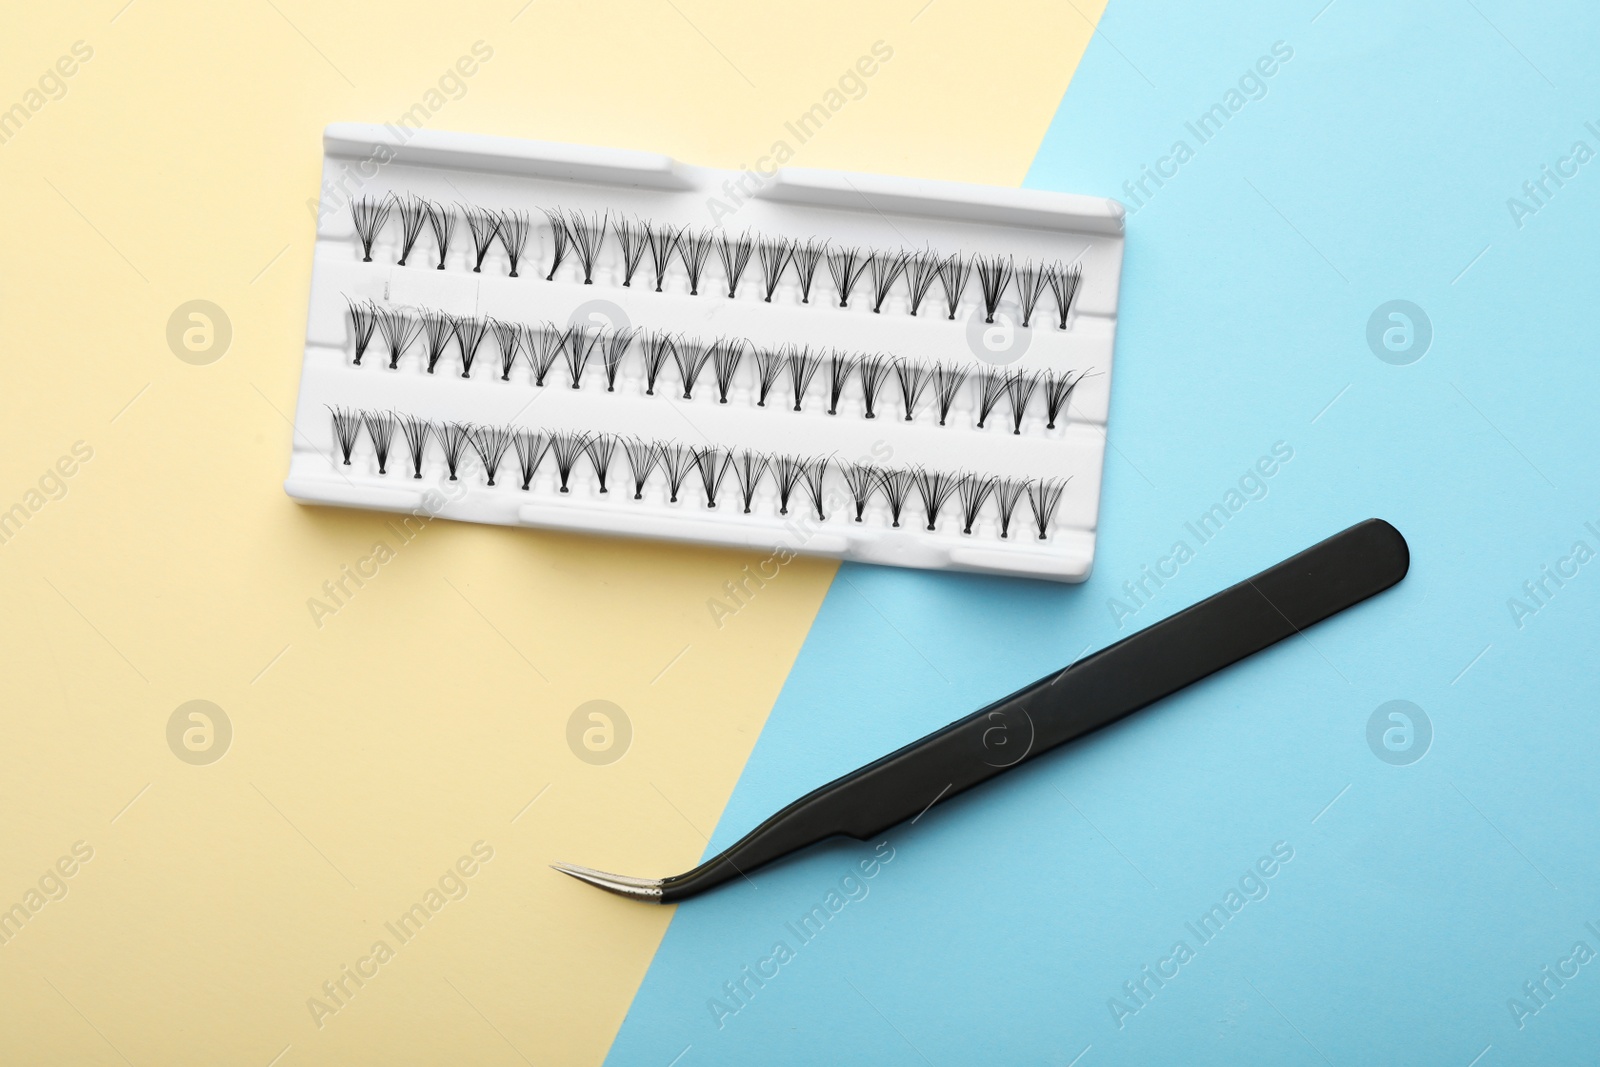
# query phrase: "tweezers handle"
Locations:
[[1092, 693]]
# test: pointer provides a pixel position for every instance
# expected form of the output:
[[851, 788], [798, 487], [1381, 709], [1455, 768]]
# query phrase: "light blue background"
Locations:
[[1377, 167]]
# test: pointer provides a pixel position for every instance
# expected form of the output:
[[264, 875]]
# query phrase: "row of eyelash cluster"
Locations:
[[584, 235], [545, 344], [796, 478]]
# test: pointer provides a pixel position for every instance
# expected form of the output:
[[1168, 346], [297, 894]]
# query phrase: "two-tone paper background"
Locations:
[[1359, 281]]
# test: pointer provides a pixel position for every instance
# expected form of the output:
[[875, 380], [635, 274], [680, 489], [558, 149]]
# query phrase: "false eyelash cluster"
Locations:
[[782, 374], [583, 235], [917, 494]]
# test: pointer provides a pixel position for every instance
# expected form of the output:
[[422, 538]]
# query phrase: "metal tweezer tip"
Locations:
[[645, 889]]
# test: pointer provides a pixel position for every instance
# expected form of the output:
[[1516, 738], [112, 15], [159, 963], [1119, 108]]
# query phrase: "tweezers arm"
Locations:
[[1096, 691]]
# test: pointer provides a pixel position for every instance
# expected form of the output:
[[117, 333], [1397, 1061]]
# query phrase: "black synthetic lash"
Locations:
[[508, 339], [970, 491], [886, 270], [515, 226], [632, 238], [953, 274], [399, 330], [973, 490], [991, 387], [734, 252], [803, 367], [693, 251], [934, 487], [1064, 284], [873, 371], [806, 255], [601, 447], [947, 381], [413, 212], [579, 346], [544, 345], [363, 320], [658, 346], [380, 431], [769, 367], [748, 470], [786, 473], [895, 485], [840, 365], [994, 274], [663, 241], [565, 449], [921, 269], [588, 234], [1031, 281], [369, 214], [726, 355], [713, 463], [1058, 389], [815, 474], [560, 240], [612, 351], [437, 329], [1019, 390], [347, 429], [531, 445], [584, 233], [442, 222], [1043, 496], [676, 462], [862, 481], [415, 431], [484, 227], [453, 437], [1007, 492], [774, 254], [642, 459], [490, 443], [578, 343], [690, 356], [846, 267], [913, 379], [469, 333]]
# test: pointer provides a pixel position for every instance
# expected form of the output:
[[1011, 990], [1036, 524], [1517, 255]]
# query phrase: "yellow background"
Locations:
[[369, 754]]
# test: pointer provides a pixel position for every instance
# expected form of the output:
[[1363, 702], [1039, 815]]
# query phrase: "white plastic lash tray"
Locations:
[[881, 369]]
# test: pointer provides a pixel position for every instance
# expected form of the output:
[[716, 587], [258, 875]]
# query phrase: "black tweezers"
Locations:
[[1094, 692]]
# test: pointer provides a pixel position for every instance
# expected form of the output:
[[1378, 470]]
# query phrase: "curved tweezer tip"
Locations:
[[647, 890]]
